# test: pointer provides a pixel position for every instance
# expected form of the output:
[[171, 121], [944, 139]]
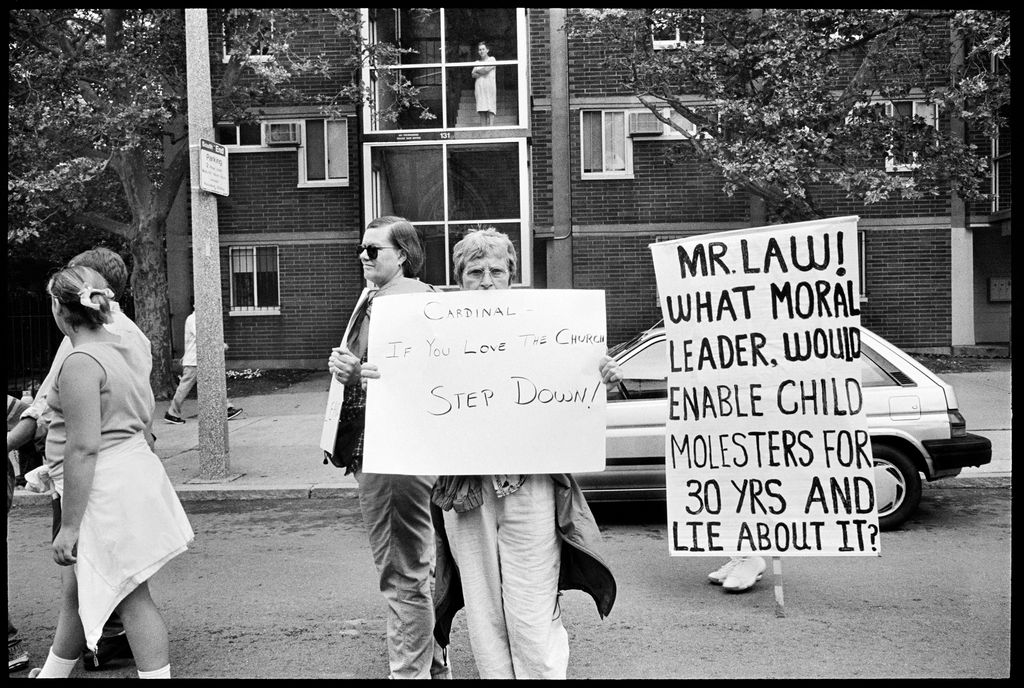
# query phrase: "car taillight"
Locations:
[[957, 424]]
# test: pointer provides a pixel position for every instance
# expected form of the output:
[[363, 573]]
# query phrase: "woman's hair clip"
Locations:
[[86, 293]]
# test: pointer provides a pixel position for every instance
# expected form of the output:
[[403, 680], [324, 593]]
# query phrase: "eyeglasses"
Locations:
[[371, 251], [497, 274]]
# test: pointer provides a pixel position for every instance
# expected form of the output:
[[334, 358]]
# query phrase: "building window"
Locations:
[[674, 30], [239, 135], [923, 114], [262, 29], [448, 189], [605, 148], [254, 280], [459, 85], [322, 145], [862, 247], [323, 155]]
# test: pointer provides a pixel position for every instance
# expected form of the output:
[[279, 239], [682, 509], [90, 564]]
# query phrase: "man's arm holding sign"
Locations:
[[344, 365]]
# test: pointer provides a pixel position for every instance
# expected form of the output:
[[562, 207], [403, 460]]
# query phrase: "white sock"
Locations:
[[164, 672], [56, 667]]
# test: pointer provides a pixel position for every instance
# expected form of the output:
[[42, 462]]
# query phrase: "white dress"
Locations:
[[133, 522], [486, 87]]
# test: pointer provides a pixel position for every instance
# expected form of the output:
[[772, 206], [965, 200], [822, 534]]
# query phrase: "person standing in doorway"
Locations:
[[485, 87], [189, 370]]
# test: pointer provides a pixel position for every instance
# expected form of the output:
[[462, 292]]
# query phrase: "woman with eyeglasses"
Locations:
[[395, 508], [516, 540]]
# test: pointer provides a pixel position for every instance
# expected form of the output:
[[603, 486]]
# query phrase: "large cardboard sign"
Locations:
[[767, 449], [486, 382]]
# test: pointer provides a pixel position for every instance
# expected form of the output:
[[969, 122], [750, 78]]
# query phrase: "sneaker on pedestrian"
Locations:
[[233, 412], [17, 658], [35, 672], [746, 572], [718, 577], [173, 420]]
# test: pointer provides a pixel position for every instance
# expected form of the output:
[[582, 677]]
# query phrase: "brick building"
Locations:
[[579, 182]]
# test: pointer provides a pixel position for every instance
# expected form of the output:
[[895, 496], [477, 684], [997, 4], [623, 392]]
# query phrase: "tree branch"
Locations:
[[173, 177], [103, 222]]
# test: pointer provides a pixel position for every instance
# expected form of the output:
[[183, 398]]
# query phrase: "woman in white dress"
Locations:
[[121, 520], [485, 87]]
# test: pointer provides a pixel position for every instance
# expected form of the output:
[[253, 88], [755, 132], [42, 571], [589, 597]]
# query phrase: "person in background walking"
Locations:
[[395, 508], [189, 370], [121, 519]]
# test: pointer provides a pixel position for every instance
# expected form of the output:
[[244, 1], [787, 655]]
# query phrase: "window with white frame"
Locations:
[[672, 31], [468, 64], [322, 145], [862, 246], [448, 188], [254, 272], [909, 109], [606, 150], [323, 154]]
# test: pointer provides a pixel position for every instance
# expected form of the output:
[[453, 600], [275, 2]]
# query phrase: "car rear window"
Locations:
[[644, 372]]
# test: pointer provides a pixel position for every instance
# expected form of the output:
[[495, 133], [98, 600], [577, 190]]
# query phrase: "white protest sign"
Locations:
[[485, 382], [767, 449]]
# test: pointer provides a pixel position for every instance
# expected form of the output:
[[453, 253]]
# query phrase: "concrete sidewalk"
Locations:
[[274, 445]]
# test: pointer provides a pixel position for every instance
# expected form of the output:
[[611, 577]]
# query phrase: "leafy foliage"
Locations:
[[97, 123], [794, 94]]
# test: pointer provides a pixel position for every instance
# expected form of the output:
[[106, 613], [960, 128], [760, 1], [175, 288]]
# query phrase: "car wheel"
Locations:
[[897, 486]]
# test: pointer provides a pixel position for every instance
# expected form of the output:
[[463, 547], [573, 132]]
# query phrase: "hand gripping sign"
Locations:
[[485, 382], [766, 448]]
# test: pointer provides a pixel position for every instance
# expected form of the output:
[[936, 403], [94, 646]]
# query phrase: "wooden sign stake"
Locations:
[[780, 610]]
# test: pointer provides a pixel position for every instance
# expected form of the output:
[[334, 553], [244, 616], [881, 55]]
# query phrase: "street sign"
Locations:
[[213, 167]]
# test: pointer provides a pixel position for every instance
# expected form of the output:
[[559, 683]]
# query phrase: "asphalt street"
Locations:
[[285, 588]]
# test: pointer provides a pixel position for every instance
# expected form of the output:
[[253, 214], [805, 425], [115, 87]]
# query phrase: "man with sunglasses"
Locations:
[[396, 508]]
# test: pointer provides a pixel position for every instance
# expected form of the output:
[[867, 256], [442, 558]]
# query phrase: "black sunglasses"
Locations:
[[371, 251]]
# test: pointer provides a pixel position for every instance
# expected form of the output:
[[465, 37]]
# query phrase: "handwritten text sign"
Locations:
[[767, 449], [484, 382]]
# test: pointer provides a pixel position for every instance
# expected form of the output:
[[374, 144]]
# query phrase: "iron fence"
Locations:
[[32, 341]]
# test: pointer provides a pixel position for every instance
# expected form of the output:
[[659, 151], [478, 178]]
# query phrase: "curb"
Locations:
[[986, 481], [206, 493]]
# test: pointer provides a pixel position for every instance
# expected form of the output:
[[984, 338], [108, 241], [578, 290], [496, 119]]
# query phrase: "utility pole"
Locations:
[[559, 268], [213, 426]]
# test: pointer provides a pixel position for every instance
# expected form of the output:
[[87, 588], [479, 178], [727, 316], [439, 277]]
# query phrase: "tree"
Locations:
[[787, 103], [97, 133]]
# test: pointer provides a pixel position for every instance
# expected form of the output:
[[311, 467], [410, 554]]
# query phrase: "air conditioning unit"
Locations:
[[283, 134], [645, 124]]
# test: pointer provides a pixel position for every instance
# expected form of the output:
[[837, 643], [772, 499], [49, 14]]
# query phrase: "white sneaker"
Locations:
[[718, 577], [747, 571]]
